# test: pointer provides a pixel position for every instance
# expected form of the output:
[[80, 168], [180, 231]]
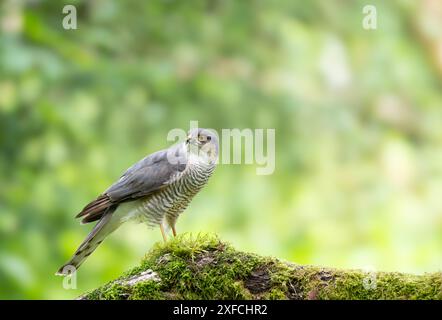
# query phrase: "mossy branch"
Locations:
[[203, 267]]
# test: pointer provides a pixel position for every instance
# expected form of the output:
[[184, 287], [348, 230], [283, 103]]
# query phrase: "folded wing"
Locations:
[[147, 176]]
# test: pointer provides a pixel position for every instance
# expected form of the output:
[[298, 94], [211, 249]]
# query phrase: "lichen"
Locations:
[[203, 267]]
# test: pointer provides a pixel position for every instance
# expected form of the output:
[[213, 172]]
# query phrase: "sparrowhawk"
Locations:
[[154, 190]]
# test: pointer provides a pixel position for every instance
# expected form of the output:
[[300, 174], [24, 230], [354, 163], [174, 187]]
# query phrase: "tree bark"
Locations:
[[203, 267]]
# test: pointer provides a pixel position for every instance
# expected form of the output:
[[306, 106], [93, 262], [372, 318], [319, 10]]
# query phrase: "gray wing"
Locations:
[[142, 179]]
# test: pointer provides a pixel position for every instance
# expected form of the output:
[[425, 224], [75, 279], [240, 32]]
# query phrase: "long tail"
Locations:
[[101, 230]]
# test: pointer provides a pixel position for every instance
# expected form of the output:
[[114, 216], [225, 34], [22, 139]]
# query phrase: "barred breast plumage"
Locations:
[[169, 203]]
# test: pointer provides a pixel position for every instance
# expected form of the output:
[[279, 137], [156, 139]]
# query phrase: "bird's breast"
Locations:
[[176, 196]]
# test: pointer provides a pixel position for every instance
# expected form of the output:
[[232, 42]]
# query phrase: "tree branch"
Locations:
[[206, 268]]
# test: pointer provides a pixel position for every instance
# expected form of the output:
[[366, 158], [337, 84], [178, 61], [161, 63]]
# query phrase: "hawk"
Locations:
[[155, 191]]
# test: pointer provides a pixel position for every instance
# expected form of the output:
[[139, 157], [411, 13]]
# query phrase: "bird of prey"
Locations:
[[154, 190]]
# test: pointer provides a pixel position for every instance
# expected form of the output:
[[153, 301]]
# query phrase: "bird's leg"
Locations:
[[174, 231], [163, 233]]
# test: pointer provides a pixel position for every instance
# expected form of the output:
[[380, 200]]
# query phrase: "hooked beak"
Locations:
[[193, 141]]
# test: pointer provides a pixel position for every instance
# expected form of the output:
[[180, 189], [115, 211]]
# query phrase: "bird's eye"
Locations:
[[209, 138]]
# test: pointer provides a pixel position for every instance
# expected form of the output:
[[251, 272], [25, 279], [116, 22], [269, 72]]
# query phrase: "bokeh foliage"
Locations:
[[357, 113]]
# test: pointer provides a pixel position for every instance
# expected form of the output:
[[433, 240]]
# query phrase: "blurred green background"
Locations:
[[357, 113]]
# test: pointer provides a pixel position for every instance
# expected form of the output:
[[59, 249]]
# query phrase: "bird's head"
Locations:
[[203, 142]]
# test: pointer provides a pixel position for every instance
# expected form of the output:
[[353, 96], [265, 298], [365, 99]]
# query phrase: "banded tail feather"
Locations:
[[96, 209], [101, 230]]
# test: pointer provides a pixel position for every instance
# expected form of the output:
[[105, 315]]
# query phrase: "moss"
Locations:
[[150, 289], [203, 267], [275, 294], [358, 285], [112, 291]]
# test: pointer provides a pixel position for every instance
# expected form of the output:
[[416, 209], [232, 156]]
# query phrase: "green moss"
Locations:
[[203, 267], [186, 266], [358, 285], [150, 289], [111, 291], [275, 294]]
